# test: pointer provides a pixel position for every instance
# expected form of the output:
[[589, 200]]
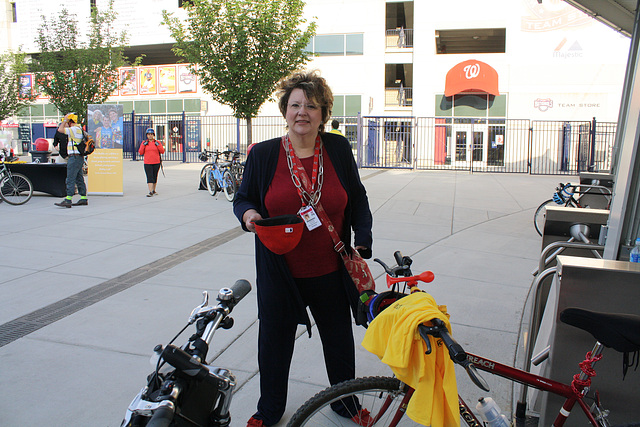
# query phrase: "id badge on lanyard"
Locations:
[[309, 217]]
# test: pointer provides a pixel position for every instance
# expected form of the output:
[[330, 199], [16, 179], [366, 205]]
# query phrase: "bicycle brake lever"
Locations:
[[475, 377], [195, 311]]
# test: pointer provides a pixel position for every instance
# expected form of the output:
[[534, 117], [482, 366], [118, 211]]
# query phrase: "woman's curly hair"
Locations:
[[315, 89]]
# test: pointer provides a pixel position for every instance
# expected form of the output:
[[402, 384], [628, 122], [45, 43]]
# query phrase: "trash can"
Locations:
[[40, 156]]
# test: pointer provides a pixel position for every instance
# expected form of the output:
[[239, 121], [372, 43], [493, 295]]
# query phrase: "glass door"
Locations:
[[469, 144]]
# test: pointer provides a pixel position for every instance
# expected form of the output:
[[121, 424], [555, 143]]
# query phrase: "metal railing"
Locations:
[[398, 96], [399, 38], [405, 141]]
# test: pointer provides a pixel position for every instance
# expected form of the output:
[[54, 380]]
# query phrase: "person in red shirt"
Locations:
[[151, 149], [312, 274]]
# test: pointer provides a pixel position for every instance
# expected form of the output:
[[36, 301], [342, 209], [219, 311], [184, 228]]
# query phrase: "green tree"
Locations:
[[12, 100], [74, 72], [242, 48]]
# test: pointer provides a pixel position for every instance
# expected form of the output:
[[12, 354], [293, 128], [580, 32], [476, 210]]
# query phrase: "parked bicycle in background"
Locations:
[[15, 188], [216, 175], [568, 195]]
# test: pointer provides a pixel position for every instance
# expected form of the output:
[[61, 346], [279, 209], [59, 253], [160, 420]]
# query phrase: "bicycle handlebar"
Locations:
[[162, 416], [403, 269], [456, 352]]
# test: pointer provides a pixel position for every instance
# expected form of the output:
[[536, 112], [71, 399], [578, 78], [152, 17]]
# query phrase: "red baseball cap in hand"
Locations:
[[280, 234]]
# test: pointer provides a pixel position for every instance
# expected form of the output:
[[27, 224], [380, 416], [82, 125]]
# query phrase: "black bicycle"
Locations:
[[15, 188], [184, 389], [567, 195]]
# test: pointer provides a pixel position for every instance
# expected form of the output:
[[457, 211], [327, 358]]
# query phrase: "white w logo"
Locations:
[[471, 71]]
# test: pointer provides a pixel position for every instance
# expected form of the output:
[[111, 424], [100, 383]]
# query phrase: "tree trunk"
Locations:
[[249, 133]]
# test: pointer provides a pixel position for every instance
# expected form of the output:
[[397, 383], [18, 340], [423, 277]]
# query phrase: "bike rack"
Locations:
[[578, 232]]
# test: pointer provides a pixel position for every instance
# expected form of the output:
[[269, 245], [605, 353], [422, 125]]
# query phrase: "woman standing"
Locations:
[[151, 149], [312, 274]]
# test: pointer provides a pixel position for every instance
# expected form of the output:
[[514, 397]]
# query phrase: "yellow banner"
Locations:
[[105, 172]]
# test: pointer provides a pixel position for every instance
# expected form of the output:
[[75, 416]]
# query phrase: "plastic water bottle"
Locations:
[[635, 252], [490, 413]]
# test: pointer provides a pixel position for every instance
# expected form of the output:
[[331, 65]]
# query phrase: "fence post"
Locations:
[[134, 155], [238, 134], [183, 137], [592, 146], [359, 140]]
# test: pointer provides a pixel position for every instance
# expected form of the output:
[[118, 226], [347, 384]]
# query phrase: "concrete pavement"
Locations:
[[86, 293]]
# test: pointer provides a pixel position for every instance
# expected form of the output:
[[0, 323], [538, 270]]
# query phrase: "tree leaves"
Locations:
[[12, 100], [74, 73], [242, 48]]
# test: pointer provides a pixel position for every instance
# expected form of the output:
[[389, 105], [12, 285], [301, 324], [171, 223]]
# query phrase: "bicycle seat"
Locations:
[[618, 331]]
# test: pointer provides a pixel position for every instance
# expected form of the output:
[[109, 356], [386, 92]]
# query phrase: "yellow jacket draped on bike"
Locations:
[[393, 336]]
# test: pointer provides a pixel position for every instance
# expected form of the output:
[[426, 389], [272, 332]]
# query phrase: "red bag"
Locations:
[[358, 270]]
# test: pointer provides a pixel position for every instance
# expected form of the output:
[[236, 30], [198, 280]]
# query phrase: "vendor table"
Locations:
[[46, 177]]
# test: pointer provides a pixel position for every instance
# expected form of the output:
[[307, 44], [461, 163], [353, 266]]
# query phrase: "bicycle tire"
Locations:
[[539, 216], [371, 393], [203, 176], [212, 185], [16, 189], [229, 186]]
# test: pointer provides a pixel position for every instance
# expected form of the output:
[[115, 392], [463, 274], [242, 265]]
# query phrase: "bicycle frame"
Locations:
[[574, 392], [535, 381]]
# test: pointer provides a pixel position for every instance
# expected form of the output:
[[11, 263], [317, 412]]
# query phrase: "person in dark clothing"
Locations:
[[311, 275], [60, 140]]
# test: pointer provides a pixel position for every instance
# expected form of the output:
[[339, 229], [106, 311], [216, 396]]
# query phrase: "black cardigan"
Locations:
[[278, 297]]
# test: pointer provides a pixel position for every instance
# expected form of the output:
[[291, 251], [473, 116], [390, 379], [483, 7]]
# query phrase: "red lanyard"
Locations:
[[299, 174]]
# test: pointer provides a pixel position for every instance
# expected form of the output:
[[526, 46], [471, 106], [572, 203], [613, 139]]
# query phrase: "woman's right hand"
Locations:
[[249, 217]]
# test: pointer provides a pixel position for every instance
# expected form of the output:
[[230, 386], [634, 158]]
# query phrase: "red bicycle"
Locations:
[[385, 398]]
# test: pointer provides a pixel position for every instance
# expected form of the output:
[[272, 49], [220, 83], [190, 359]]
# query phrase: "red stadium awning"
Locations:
[[471, 76]]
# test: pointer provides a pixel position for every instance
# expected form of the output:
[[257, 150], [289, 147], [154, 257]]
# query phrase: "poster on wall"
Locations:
[[186, 80], [128, 78], [167, 79], [26, 84], [105, 125], [147, 80]]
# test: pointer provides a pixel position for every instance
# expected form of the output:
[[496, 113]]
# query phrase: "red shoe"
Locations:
[[254, 422], [362, 418]]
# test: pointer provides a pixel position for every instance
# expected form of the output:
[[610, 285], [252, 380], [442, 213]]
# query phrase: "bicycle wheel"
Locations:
[[212, 185], [539, 216], [381, 396], [204, 172], [229, 186], [237, 174], [16, 189]]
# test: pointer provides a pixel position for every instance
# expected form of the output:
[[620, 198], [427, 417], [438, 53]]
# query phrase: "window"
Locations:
[[174, 106], [479, 40], [192, 105], [337, 45], [141, 107], [471, 106], [14, 12], [346, 105], [158, 106]]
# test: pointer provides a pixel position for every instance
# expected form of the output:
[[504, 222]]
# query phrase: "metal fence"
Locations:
[[478, 145]]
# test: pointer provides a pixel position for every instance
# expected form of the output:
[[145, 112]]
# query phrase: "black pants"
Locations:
[[152, 172], [326, 298]]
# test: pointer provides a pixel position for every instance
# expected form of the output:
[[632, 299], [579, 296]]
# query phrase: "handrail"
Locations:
[[564, 245], [536, 313]]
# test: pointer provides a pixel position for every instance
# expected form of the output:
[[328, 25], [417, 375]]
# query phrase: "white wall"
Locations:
[[553, 52]]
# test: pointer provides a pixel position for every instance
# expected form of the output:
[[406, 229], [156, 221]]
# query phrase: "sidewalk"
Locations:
[[104, 284]]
